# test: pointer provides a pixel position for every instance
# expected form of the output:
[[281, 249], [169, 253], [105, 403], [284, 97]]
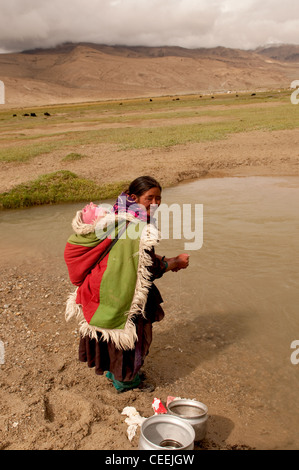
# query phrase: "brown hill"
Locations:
[[87, 72], [282, 53]]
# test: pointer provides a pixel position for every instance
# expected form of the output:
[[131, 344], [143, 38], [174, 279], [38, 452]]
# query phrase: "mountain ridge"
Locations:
[[76, 72]]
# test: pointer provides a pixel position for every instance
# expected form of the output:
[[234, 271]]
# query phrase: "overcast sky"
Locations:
[[245, 24]]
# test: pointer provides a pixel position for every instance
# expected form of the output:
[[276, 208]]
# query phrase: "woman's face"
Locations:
[[148, 199]]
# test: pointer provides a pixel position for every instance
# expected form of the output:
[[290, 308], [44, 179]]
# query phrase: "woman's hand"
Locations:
[[178, 263], [182, 262]]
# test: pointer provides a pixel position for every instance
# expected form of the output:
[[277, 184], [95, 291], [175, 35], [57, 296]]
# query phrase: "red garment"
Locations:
[[79, 260]]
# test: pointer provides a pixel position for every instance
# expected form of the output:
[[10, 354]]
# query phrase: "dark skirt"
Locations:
[[124, 365]]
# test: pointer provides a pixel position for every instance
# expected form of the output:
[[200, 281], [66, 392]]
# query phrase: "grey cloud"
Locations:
[[26, 24]]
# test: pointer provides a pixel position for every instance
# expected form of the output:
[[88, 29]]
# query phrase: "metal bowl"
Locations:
[[165, 432], [192, 412]]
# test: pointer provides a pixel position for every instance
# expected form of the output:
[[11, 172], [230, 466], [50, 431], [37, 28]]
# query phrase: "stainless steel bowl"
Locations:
[[166, 432], [192, 412]]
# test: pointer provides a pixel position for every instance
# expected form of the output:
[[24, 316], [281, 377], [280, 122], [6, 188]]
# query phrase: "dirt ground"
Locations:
[[254, 153], [51, 401]]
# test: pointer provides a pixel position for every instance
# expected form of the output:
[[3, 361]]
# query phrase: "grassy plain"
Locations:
[[159, 123]]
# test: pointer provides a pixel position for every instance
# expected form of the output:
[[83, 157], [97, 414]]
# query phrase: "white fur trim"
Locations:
[[80, 228], [123, 339]]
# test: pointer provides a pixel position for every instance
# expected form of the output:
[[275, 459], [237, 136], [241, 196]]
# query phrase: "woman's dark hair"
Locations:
[[143, 184]]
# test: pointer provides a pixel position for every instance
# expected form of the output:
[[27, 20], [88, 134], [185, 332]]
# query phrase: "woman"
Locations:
[[116, 300]]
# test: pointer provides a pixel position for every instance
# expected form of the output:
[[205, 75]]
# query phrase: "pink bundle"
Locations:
[[91, 213]]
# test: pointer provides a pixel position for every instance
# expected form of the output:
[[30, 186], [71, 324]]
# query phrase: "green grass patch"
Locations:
[[56, 188], [24, 153], [73, 157]]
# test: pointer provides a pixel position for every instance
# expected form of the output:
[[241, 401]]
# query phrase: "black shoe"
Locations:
[[142, 376], [146, 387]]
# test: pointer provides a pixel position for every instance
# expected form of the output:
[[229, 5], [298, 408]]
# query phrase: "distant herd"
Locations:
[[48, 114], [32, 115]]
